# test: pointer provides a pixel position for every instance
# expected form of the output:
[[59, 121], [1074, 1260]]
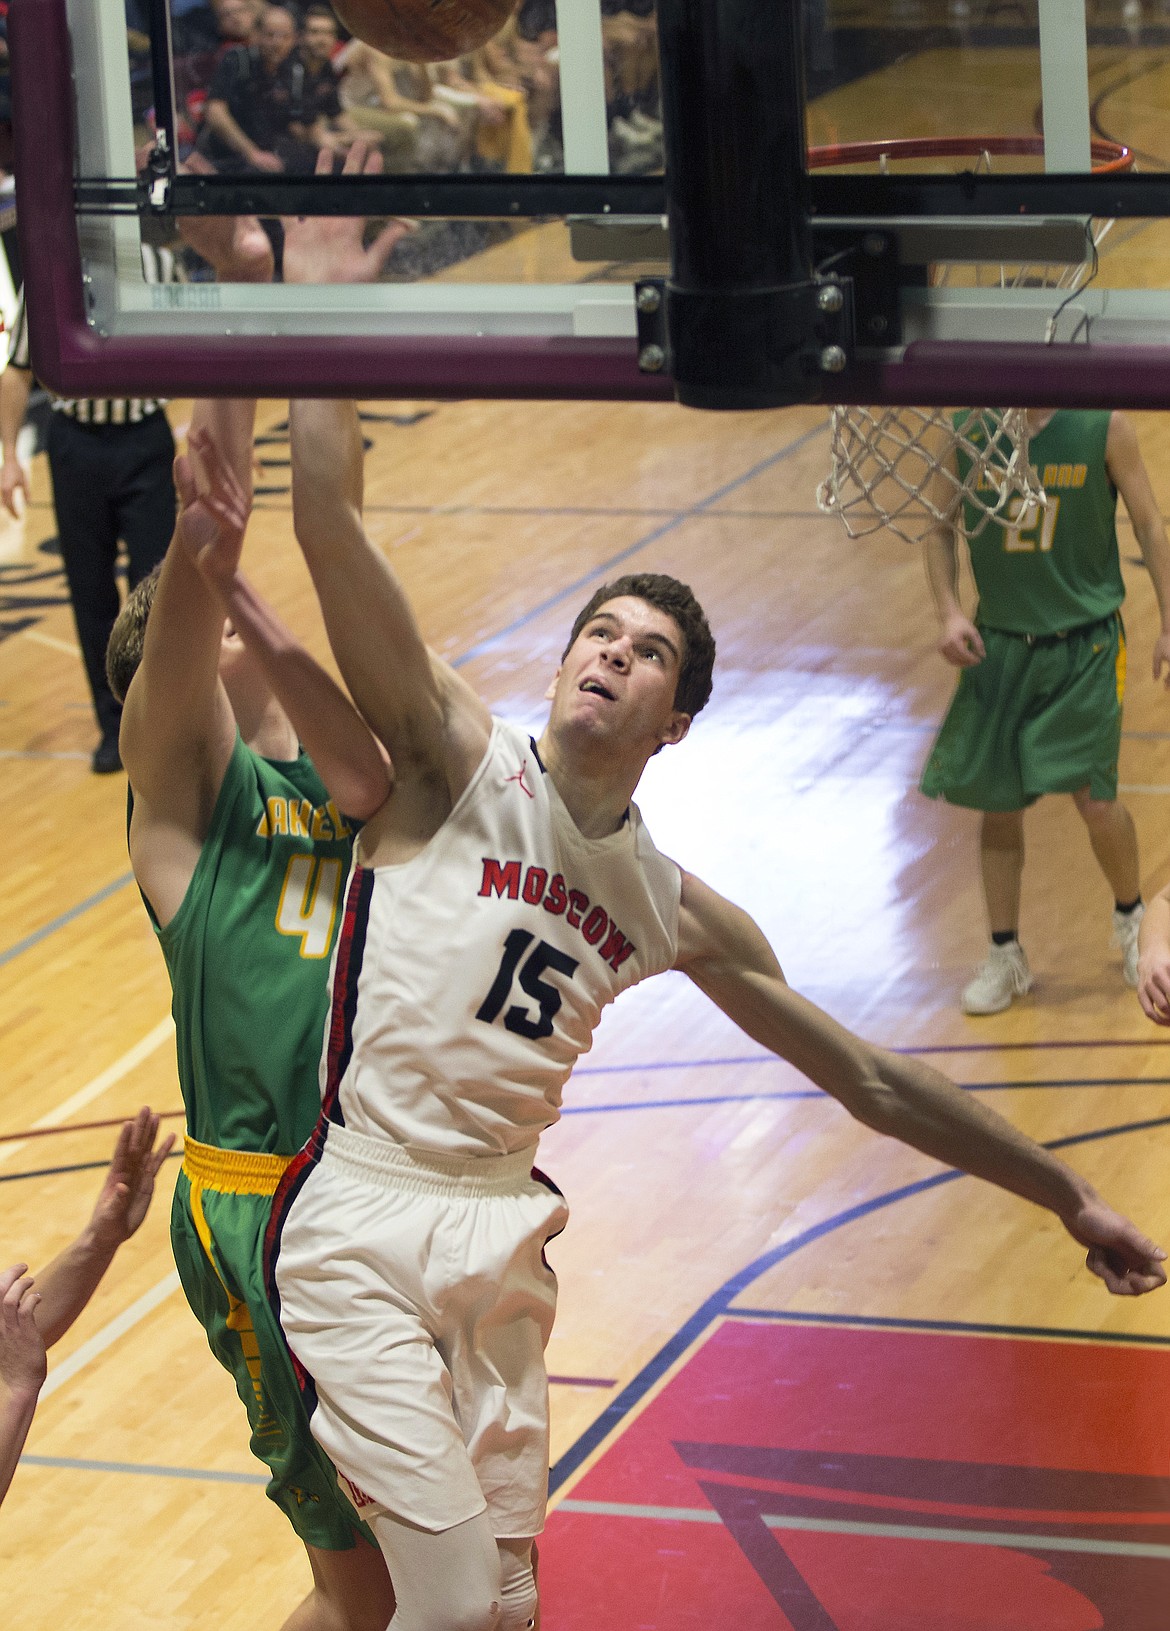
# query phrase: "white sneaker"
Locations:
[[1004, 976], [1125, 937]]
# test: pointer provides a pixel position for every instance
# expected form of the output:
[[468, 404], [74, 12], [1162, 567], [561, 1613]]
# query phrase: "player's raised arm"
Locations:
[[177, 724], [727, 956], [426, 717], [350, 760], [70, 1280]]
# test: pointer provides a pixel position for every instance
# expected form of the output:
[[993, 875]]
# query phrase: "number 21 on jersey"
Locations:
[[1032, 526]]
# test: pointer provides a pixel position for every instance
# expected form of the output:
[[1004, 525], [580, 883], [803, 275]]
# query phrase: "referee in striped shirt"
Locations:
[[110, 463]]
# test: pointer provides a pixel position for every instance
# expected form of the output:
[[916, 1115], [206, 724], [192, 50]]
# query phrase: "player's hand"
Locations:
[[1153, 987], [212, 522], [960, 642], [1162, 659], [328, 248], [129, 1185], [1128, 1261], [23, 1364], [14, 480], [270, 163], [237, 246]]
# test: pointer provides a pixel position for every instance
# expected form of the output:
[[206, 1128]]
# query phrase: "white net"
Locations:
[[913, 469]]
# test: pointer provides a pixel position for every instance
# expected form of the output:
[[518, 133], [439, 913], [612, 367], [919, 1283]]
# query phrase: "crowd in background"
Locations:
[[263, 87]]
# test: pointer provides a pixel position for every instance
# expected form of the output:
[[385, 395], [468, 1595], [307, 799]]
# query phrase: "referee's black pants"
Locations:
[[110, 482]]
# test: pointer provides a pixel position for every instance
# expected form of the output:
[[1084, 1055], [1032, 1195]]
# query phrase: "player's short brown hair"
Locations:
[[124, 649], [677, 601]]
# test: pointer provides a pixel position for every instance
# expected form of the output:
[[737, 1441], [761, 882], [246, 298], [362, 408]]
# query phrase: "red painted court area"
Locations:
[[794, 1477]]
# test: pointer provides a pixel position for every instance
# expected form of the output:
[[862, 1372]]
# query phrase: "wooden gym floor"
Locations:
[[800, 1378]]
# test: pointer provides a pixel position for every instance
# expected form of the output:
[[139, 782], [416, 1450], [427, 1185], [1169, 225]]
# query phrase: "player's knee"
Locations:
[[517, 1586]]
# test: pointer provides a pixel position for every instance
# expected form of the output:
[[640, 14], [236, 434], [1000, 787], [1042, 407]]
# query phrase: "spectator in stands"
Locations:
[[421, 126], [256, 95], [323, 121]]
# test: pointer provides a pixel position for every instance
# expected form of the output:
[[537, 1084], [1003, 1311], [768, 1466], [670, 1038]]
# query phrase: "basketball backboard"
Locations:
[[985, 141]]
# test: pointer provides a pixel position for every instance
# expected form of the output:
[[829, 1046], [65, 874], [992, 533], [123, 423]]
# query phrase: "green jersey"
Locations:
[[248, 955], [1054, 568]]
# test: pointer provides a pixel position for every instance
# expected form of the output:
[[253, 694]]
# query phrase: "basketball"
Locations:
[[424, 30]]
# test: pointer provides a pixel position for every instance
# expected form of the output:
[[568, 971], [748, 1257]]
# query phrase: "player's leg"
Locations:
[[445, 1580], [351, 1592], [1004, 973], [1001, 867], [1113, 837]]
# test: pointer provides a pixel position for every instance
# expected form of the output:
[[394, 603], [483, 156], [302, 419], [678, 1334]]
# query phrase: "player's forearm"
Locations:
[[1154, 934], [367, 615], [15, 389], [1155, 548], [340, 743], [916, 1104], [218, 116], [16, 1417], [896, 1096], [327, 467], [69, 1282], [941, 558]]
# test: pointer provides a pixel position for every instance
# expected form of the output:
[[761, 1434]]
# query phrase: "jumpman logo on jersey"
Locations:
[[520, 778]]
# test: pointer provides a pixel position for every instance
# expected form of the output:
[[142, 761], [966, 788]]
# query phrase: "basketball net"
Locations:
[[901, 469], [914, 469]]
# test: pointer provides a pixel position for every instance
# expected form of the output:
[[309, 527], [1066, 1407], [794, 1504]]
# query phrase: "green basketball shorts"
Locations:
[[1035, 716], [221, 1208]]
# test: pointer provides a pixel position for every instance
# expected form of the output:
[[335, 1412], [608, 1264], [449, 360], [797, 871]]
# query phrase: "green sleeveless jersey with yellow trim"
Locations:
[[1053, 569], [248, 954]]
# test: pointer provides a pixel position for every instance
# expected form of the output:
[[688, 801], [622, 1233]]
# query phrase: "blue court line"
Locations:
[[74, 912], [961, 1327], [720, 1301], [598, 573], [618, 1107]]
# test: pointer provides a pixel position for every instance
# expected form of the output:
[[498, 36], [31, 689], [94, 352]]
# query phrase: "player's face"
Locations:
[[619, 677]]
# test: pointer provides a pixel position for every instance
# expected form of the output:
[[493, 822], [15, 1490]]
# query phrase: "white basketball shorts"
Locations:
[[414, 1292]]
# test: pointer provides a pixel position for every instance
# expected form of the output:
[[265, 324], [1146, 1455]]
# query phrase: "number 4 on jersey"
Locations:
[[308, 902]]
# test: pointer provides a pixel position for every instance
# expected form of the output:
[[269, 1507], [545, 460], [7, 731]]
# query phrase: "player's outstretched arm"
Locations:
[[177, 725], [352, 763], [728, 957], [424, 714], [1128, 473], [1153, 987], [71, 1279]]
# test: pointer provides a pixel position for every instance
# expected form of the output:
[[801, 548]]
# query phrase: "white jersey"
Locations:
[[467, 982]]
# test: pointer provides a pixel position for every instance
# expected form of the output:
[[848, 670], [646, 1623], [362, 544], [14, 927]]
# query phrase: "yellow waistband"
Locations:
[[240, 1172]]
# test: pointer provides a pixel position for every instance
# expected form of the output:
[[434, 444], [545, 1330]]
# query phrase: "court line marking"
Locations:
[[704, 1102], [598, 573], [1009, 1539], [75, 1464], [50, 640], [94, 1088], [109, 1334], [719, 1303], [716, 1306], [65, 918], [794, 1316]]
